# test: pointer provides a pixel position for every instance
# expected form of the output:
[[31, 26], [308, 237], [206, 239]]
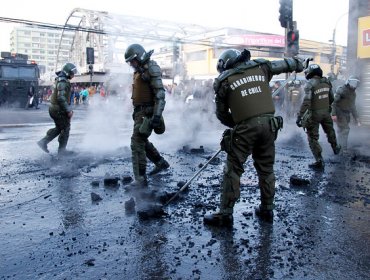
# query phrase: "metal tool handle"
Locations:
[[192, 178]]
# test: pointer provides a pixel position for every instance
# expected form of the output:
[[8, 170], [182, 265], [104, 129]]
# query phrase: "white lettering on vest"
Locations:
[[247, 79], [320, 90], [250, 91]]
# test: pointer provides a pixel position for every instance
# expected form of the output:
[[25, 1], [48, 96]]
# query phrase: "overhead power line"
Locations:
[[157, 37]]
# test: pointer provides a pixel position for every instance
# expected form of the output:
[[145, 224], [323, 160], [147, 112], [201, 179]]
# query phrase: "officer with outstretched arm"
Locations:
[[244, 103]]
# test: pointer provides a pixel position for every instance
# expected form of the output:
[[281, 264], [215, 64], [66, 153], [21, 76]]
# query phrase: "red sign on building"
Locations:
[[256, 40], [366, 37]]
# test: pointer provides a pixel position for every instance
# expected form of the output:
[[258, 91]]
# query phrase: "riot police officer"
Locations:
[[60, 110], [343, 106], [316, 106], [244, 103], [148, 99]]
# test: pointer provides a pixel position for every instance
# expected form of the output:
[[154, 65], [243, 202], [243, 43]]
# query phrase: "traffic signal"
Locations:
[[176, 52], [89, 55], [91, 69], [286, 13], [292, 42]]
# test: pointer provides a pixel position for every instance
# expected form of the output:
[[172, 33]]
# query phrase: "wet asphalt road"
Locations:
[[52, 229]]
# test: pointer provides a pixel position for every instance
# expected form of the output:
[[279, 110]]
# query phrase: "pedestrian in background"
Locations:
[[4, 94], [244, 103], [148, 99], [343, 107], [316, 105], [60, 110], [30, 95]]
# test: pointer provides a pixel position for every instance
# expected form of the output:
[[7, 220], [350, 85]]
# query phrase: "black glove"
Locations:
[[156, 121], [300, 64], [299, 121], [226, 140]]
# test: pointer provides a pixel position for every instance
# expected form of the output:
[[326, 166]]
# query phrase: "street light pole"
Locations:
[[334, 44]]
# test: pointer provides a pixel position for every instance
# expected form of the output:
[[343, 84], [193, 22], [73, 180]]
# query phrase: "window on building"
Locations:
[[325, 58], [196, 56]]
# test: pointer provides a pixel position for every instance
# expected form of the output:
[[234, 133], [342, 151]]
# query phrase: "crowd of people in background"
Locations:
[[198, 94]]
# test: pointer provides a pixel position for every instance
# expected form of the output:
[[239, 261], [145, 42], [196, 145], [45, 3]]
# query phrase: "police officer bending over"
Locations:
[[148, 99], [244, 103], [343, 106]]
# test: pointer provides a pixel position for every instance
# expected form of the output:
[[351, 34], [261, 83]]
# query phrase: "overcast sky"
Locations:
[[316, 18]]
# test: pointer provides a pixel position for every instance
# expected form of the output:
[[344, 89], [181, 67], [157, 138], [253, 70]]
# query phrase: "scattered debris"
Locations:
[[130, 205], [95, 183], [95, 197], [126, 180], [90, 262], [111, 181], [150, 210], [297, 181]]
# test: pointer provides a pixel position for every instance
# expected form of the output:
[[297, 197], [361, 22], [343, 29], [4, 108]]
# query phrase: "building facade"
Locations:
[[41, 45], [358, 57]]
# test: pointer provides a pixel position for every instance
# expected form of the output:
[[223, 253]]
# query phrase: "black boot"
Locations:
[[336, 149], [318, 165], [140, 182], [263, 214], [219, 219], [43, 145], [162, 164]]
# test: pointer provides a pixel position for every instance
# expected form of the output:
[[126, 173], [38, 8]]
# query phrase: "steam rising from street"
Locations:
[[187, 124]]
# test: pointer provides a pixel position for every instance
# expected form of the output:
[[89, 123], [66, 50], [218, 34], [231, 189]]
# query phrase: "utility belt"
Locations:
[[276, 123], [141, 107], [260, 119]]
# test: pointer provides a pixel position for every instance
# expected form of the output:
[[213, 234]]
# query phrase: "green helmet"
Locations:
[[69, 69], [227, 59], [313, 70], [135, 51]]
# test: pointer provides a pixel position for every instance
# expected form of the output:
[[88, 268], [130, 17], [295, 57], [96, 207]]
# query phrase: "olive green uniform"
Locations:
[[343, 106], [58, 111], [318, 99], [244, 102], [148, 99]]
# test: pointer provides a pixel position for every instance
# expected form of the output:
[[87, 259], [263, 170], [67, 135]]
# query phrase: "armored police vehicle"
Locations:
[[17, 75]]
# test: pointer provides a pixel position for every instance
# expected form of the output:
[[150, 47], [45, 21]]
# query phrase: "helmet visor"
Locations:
[[130, 58], [74, 70], [353, 83]]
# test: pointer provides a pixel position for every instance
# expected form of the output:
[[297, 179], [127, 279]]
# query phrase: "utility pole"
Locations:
[[333, 52], [334, 44]]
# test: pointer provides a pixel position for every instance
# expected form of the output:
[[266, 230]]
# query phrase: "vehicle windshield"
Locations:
[[9, 72]]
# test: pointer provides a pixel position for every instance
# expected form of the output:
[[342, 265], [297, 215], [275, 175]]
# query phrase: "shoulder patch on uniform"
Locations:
[[154, 69], [62, 85], [308, 85]]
